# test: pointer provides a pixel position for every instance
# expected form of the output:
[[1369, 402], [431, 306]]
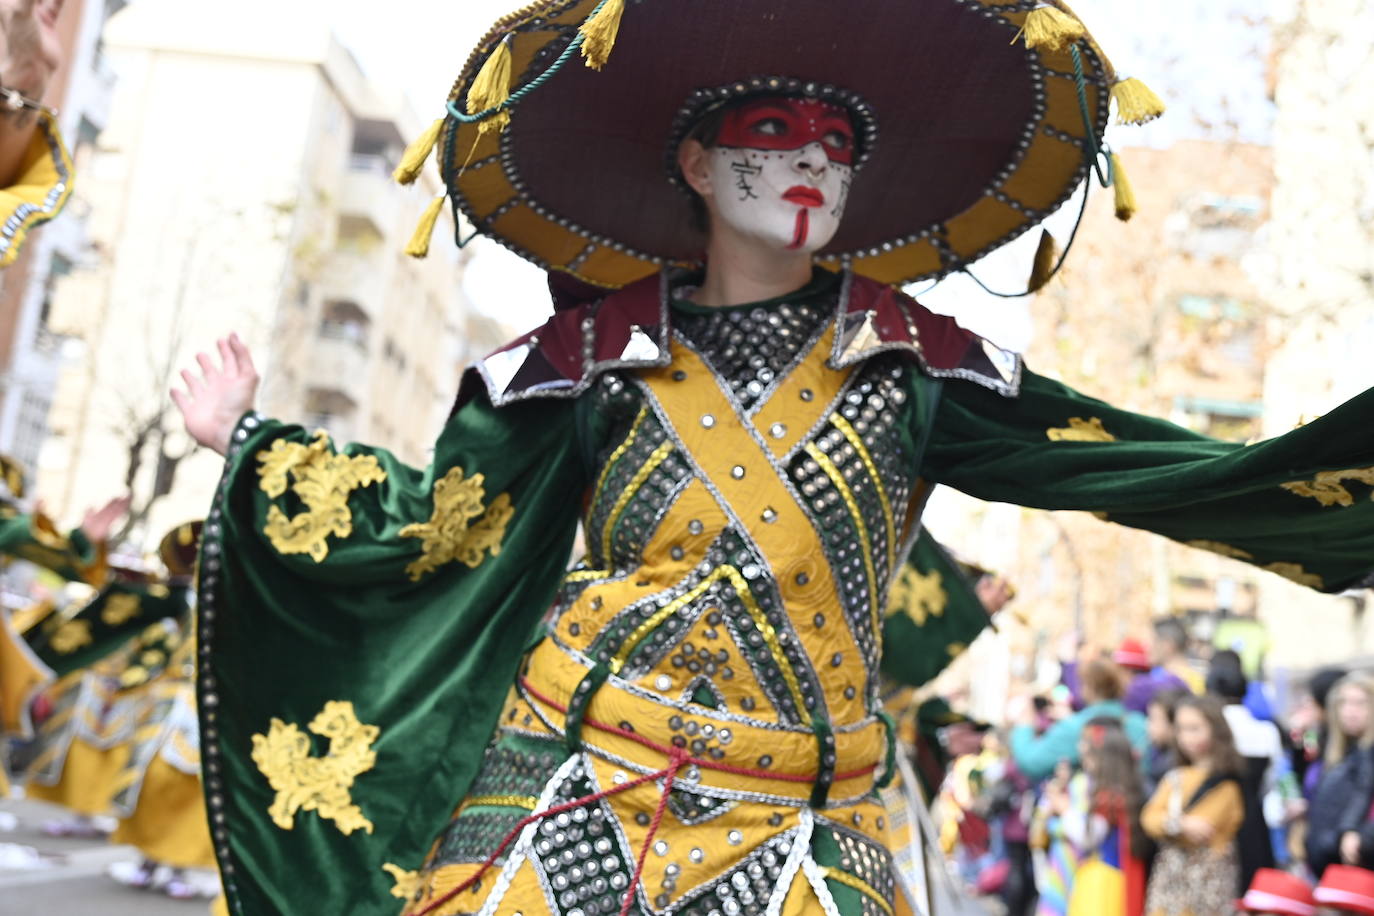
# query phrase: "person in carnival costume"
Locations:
[[82, 673], [158, 795], [79, 557], [696, 728], [35, 168]]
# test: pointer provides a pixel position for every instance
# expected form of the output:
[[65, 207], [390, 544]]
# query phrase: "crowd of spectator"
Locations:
[[1151, 783]]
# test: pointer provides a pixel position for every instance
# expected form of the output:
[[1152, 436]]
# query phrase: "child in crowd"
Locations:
[[1159, 726], [1102, 825], [1277, 893], [1194, 816]]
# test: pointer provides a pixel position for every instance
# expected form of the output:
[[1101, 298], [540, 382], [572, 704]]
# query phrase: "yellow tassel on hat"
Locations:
[[1046, 257], [1048, 28], [491, 88], [599, 33], [1125, 194], [417, 154], [419, 242], [1136, 103]]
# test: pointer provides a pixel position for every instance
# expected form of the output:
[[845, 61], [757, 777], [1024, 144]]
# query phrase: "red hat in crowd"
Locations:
[[1274, 891], [1131, 654], [1347, 889]]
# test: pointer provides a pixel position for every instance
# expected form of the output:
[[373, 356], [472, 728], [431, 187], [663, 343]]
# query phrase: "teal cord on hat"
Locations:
[[464, 118]]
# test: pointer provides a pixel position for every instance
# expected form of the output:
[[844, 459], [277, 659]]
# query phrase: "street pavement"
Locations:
[[73, 879]]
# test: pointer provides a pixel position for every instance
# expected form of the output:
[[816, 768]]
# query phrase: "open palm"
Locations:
[[98, 523], [214, 400], [31, 49]]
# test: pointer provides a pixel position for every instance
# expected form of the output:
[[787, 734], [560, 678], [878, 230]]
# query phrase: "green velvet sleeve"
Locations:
[[1298, 505], [360, 623], [32, 538], [933, 614], [67, 642]]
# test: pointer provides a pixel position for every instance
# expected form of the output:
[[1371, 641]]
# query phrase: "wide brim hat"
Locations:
[[11, 479], [975, 120], [179, 548], [1274, 891], [1346, 888]]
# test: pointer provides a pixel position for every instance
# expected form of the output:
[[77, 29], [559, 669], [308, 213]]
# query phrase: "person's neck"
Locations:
[[740, 270]]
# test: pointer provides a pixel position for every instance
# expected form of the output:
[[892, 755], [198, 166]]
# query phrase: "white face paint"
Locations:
[[790, 199]]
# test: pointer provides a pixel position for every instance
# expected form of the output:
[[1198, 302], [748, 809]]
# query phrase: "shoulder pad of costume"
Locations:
[[876, 318], [628, 329]]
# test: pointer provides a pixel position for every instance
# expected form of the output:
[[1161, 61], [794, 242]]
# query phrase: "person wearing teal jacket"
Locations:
[[1037, 756]]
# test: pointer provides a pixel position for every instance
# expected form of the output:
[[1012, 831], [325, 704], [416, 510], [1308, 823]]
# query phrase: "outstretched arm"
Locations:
[[1298, 505]]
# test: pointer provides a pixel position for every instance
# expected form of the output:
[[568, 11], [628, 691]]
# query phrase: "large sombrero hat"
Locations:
[[11, 479], [976, 119], [179, 548]]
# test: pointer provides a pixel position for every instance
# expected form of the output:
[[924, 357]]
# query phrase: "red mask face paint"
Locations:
[[783, 124], [781, 171]]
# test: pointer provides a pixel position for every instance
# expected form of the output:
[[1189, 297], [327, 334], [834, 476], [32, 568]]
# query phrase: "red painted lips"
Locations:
[[804, 196]]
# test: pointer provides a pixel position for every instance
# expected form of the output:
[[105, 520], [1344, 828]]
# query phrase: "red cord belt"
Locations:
[[677, 759]]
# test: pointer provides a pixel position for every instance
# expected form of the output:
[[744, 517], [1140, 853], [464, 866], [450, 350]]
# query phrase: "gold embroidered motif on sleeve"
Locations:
[[451, 532], [1081, 430], [408, 883], [323, 481], [1226, 550], [1327, 487], [1296, 573], [120, 608], [304, 782], [918, 595], [71, 636]]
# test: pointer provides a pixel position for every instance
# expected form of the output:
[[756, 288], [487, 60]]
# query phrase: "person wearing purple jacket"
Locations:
[[1146, 681]]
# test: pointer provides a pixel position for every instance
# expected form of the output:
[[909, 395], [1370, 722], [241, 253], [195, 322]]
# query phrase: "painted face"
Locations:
[[781, 171]]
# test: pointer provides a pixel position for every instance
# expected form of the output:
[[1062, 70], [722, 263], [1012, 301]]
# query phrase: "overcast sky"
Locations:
[[1206, 58]]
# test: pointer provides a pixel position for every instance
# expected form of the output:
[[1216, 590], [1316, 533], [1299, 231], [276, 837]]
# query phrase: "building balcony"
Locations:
[[358, 276], [338, 369], [368, 194]]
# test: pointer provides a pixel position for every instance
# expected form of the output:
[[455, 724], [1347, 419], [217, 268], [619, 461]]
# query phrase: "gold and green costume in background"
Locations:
[[379, 685], [39, 193]]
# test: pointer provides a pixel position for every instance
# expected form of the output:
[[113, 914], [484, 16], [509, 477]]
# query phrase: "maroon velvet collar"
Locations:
[[631, 329]]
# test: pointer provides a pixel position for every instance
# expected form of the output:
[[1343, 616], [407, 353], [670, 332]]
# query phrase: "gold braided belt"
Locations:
[[728, 754]]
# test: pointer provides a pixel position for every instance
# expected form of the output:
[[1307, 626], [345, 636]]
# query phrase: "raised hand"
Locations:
[[97, 523], [32, 51], [214, 401]]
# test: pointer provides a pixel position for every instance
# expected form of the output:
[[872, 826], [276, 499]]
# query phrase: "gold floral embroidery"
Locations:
[[321, 784], [1296, 573], [1081, 430], [956, 649], [120, 608], [72, 636], [1226, 550], [408, 883], [323, 480], [919, 596], [1326, 488], [451, 534]]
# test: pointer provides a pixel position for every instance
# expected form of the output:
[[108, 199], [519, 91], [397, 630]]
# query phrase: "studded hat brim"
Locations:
[[978, 138]]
